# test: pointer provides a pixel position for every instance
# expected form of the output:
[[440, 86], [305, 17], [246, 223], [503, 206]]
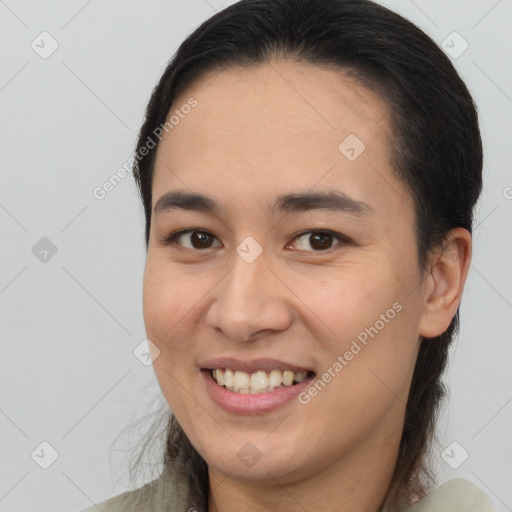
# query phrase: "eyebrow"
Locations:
[[336, 201]]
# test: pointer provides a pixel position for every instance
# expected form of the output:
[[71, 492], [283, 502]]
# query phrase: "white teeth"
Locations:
[[241, 380], [258, 382], [299, 376], [275, 378], [229, 378], [218, 376], [287, 378]]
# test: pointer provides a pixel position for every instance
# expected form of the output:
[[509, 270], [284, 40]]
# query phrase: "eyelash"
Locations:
[[171, 239]]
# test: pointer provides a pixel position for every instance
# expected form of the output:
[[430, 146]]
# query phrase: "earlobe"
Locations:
[[445, 283]]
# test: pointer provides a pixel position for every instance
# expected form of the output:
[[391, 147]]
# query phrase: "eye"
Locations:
[[199, 239], [320, 240]]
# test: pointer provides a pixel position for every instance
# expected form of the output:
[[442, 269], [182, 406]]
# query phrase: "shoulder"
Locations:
[[129, 501], [169, 492], [456, 495]]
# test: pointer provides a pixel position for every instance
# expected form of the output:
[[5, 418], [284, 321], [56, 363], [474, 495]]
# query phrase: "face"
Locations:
[[299, 264]]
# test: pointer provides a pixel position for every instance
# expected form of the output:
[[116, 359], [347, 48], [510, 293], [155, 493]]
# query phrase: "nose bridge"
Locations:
[[247, 301], [244, 292]]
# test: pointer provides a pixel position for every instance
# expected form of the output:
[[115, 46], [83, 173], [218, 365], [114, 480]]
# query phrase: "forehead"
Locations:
[[282, 126]]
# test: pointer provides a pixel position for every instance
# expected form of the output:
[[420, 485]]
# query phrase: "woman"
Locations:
[[308, 172]]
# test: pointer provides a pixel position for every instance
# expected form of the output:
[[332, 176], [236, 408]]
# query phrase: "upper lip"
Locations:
[[252, 365]]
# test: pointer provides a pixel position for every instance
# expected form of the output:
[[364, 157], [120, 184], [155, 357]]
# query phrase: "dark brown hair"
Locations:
[[435, 143]]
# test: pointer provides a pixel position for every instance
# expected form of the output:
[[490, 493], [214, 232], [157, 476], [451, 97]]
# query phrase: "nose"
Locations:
[[249, 302]]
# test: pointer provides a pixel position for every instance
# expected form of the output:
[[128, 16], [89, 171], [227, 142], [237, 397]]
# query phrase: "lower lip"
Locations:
[[243, 403]]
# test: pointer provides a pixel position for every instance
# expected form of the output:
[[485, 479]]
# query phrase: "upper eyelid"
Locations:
[[321, 230]]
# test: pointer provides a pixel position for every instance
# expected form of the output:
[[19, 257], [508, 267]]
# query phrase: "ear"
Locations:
[[446, 275]]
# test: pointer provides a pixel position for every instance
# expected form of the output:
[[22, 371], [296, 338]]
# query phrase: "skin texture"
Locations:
[[257, 133]]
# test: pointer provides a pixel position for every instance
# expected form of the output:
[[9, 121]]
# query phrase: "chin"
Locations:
[[256, 458]]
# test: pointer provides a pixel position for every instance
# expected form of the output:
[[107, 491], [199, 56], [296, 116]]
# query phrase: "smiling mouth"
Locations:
[[257, 382]]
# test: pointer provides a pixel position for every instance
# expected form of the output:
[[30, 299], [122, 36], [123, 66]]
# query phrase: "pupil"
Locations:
[[324, 240], [201, 237]]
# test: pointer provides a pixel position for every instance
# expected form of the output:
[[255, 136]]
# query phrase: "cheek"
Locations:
[[168, 304], [368, 356], [169, 299], [376, 331], [350, 298], [369, 319]]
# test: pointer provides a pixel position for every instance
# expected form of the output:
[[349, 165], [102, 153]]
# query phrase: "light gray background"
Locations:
[[68, 375]]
